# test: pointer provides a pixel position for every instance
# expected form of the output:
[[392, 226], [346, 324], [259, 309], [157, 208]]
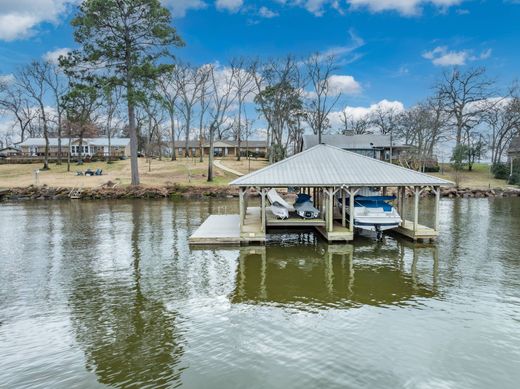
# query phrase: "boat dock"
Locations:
[[329, 175]]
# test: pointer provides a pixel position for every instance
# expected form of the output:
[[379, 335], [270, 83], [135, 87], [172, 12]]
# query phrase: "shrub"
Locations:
[[500, 171]]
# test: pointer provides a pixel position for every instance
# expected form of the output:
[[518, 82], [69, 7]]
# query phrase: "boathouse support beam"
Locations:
[[437, 191], [417, 194], [343, 207], [263, 194], [351, 194], [241, 203]]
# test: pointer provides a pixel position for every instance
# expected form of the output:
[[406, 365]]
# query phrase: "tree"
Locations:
[[222, 97], [465, 98], [188, 84], [167, 95], [354, 125], [125, 41], [110, 102], [504, 123], [54, 80], [244, 86], [32, 79], [204, 100], [14, 101], [279, 99], [80, 104], [322, 98]]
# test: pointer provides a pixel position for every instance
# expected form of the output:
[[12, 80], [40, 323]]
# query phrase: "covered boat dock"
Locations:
[[326, 173]]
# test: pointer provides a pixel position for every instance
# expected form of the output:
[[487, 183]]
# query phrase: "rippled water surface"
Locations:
[[109, 294]]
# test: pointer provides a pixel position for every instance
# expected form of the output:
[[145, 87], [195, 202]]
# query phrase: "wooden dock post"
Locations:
[[241, 194], [263, 194], [437, 191], [417, 194], [343, 208]]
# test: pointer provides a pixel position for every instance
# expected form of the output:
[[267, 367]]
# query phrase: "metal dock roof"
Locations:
[[325, 165]]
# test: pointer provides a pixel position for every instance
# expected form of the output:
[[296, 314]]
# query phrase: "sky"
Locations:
[[390, 50]]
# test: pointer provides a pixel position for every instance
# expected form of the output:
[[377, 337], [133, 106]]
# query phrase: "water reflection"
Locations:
[[321, 276], [129, 339]]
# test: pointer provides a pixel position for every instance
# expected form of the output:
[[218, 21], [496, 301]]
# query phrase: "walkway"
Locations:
[[218, 163]]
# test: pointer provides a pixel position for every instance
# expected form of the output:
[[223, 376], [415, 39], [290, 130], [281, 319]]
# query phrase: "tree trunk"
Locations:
[[59, 134], [239, 132], [132, 129], [46, 136], [187, 140], [172, 127], [68, 154], [211, 152]]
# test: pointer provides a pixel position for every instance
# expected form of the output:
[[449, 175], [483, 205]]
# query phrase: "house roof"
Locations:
[[222, 143], [53, 142], [514, 147], [351, 142], [324, 166]]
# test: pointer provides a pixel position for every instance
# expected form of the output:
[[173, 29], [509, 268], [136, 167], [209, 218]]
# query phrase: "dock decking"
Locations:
[[422, 232]]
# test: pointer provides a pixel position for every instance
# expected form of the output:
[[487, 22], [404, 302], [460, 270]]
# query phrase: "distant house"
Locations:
[[222, 148], [35, 147], [514, 148], [9, 151], [370, 145]]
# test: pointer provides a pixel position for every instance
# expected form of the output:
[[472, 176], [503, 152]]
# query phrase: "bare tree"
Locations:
[[188, 85], [504, 124], [385, 119], [244, 85], [222, 97], [464, 95], [204, 90], [54, 80], [322, 97], [279, 99], [14, 101], [354, 125], [168, 94], [32, 79], [112, 98]]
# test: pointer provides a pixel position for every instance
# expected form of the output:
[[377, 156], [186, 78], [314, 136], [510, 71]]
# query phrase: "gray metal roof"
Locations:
[[350, 142], [325, 165], [53, 142]]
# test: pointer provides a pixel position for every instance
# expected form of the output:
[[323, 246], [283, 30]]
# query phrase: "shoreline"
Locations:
[[194, 192]]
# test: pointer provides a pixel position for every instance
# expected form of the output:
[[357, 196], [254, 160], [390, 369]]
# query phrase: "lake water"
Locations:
[[96, 294]]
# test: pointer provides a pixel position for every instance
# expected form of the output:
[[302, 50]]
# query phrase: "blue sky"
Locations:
[[394, 49]]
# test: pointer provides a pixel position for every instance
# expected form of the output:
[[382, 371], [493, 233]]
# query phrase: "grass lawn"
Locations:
[[479, 178], [182, 171]]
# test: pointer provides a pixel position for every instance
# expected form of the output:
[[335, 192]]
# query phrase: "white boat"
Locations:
[[373, 212], [279, 207]]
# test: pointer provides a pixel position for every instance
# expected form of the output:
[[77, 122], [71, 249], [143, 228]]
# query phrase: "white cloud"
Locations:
[[229, 5], [441, 56], [357, 113], [179, 8], [6, 79], [343, 84], [54, 55], [20, 18], [267, 13], [345, 54], [404, 7]]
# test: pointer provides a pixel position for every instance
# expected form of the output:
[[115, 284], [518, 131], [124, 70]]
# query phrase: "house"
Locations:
[[370, 145], [9, 151], [514, 148], [222, 148], [89, 147]]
